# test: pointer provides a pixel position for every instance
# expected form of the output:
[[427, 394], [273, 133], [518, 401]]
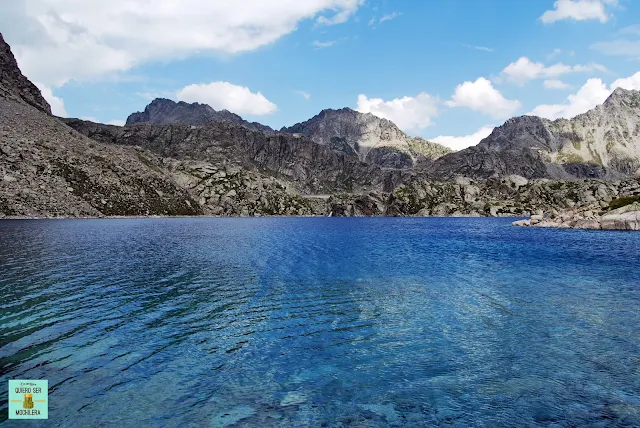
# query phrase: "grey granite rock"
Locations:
[[14, 85], [601, 143], [310, 167], [165, 112], [374, 140], [585, 217]]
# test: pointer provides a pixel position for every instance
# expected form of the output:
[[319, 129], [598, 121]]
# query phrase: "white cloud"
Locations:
[[631, 82], [459, 143], [343, 10], [524, 70], [409, 113], [592, 93], [619, 47], [554, 53], [116, 122], [56, 103], [479, 48], [483, 97], [304, 94], [631, 29], [555, 84], [321, 45], [389, 17], [224, 95], [577, 10], [59, 40]]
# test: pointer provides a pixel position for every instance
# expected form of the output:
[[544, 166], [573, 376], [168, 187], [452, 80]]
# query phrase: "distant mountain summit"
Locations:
[[164, 112], [370, 138], [603, 142], [14, 85]]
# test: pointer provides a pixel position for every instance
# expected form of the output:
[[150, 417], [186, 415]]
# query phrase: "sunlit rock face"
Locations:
[[370, 138]]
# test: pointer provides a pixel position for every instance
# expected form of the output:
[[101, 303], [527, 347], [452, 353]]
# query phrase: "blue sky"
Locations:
[[440, 69]]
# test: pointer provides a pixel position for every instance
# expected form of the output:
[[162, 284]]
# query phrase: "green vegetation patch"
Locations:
[[623, 201], [569, 158]]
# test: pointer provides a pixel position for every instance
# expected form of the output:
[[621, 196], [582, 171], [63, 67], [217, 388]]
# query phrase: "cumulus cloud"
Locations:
[[631, 82], [459, 143], [577, 10], [592, 93], [224, 95], [481, 96], [59, 40], [117, 122], [56, 103], [555, 84], [524, 70], [409, 113]]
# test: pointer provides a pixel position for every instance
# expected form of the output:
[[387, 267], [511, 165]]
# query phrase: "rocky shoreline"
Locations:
[[623, 218]]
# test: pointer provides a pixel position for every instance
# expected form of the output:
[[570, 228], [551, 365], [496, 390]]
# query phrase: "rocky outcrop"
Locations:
[[602, 143], [309, 167], [165, 112], [505, 196], [228, 190], [621, 214], [370, 138], [14, 85]]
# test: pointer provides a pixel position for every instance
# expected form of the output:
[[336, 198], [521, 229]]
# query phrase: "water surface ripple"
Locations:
[[321, 322]]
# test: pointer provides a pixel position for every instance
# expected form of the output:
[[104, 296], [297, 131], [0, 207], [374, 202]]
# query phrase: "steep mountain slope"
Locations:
[[163, 111], [47, 169], [603, 142], [13, 85], [370, 138], [305, 165]]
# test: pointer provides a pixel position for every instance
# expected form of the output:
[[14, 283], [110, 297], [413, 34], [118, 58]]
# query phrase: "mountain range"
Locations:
[[176, 158], [602, 143]]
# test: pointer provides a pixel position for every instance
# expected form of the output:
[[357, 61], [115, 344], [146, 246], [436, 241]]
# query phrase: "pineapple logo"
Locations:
[[28, 401]]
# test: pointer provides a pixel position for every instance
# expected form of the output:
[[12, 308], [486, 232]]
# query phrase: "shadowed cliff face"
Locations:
[[602, 143], [310, 167], [165, 112], [370, 138], [14, 85]]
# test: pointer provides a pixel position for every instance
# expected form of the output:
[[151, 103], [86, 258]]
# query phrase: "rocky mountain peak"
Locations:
[[602, 142], [163, 111], [13, 84], [371, 138], [620, 97]]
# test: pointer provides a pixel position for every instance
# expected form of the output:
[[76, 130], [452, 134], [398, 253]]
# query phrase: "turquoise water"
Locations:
[[321, 322]]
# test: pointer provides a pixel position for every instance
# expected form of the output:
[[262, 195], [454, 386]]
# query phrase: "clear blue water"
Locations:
[[321, 322]]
